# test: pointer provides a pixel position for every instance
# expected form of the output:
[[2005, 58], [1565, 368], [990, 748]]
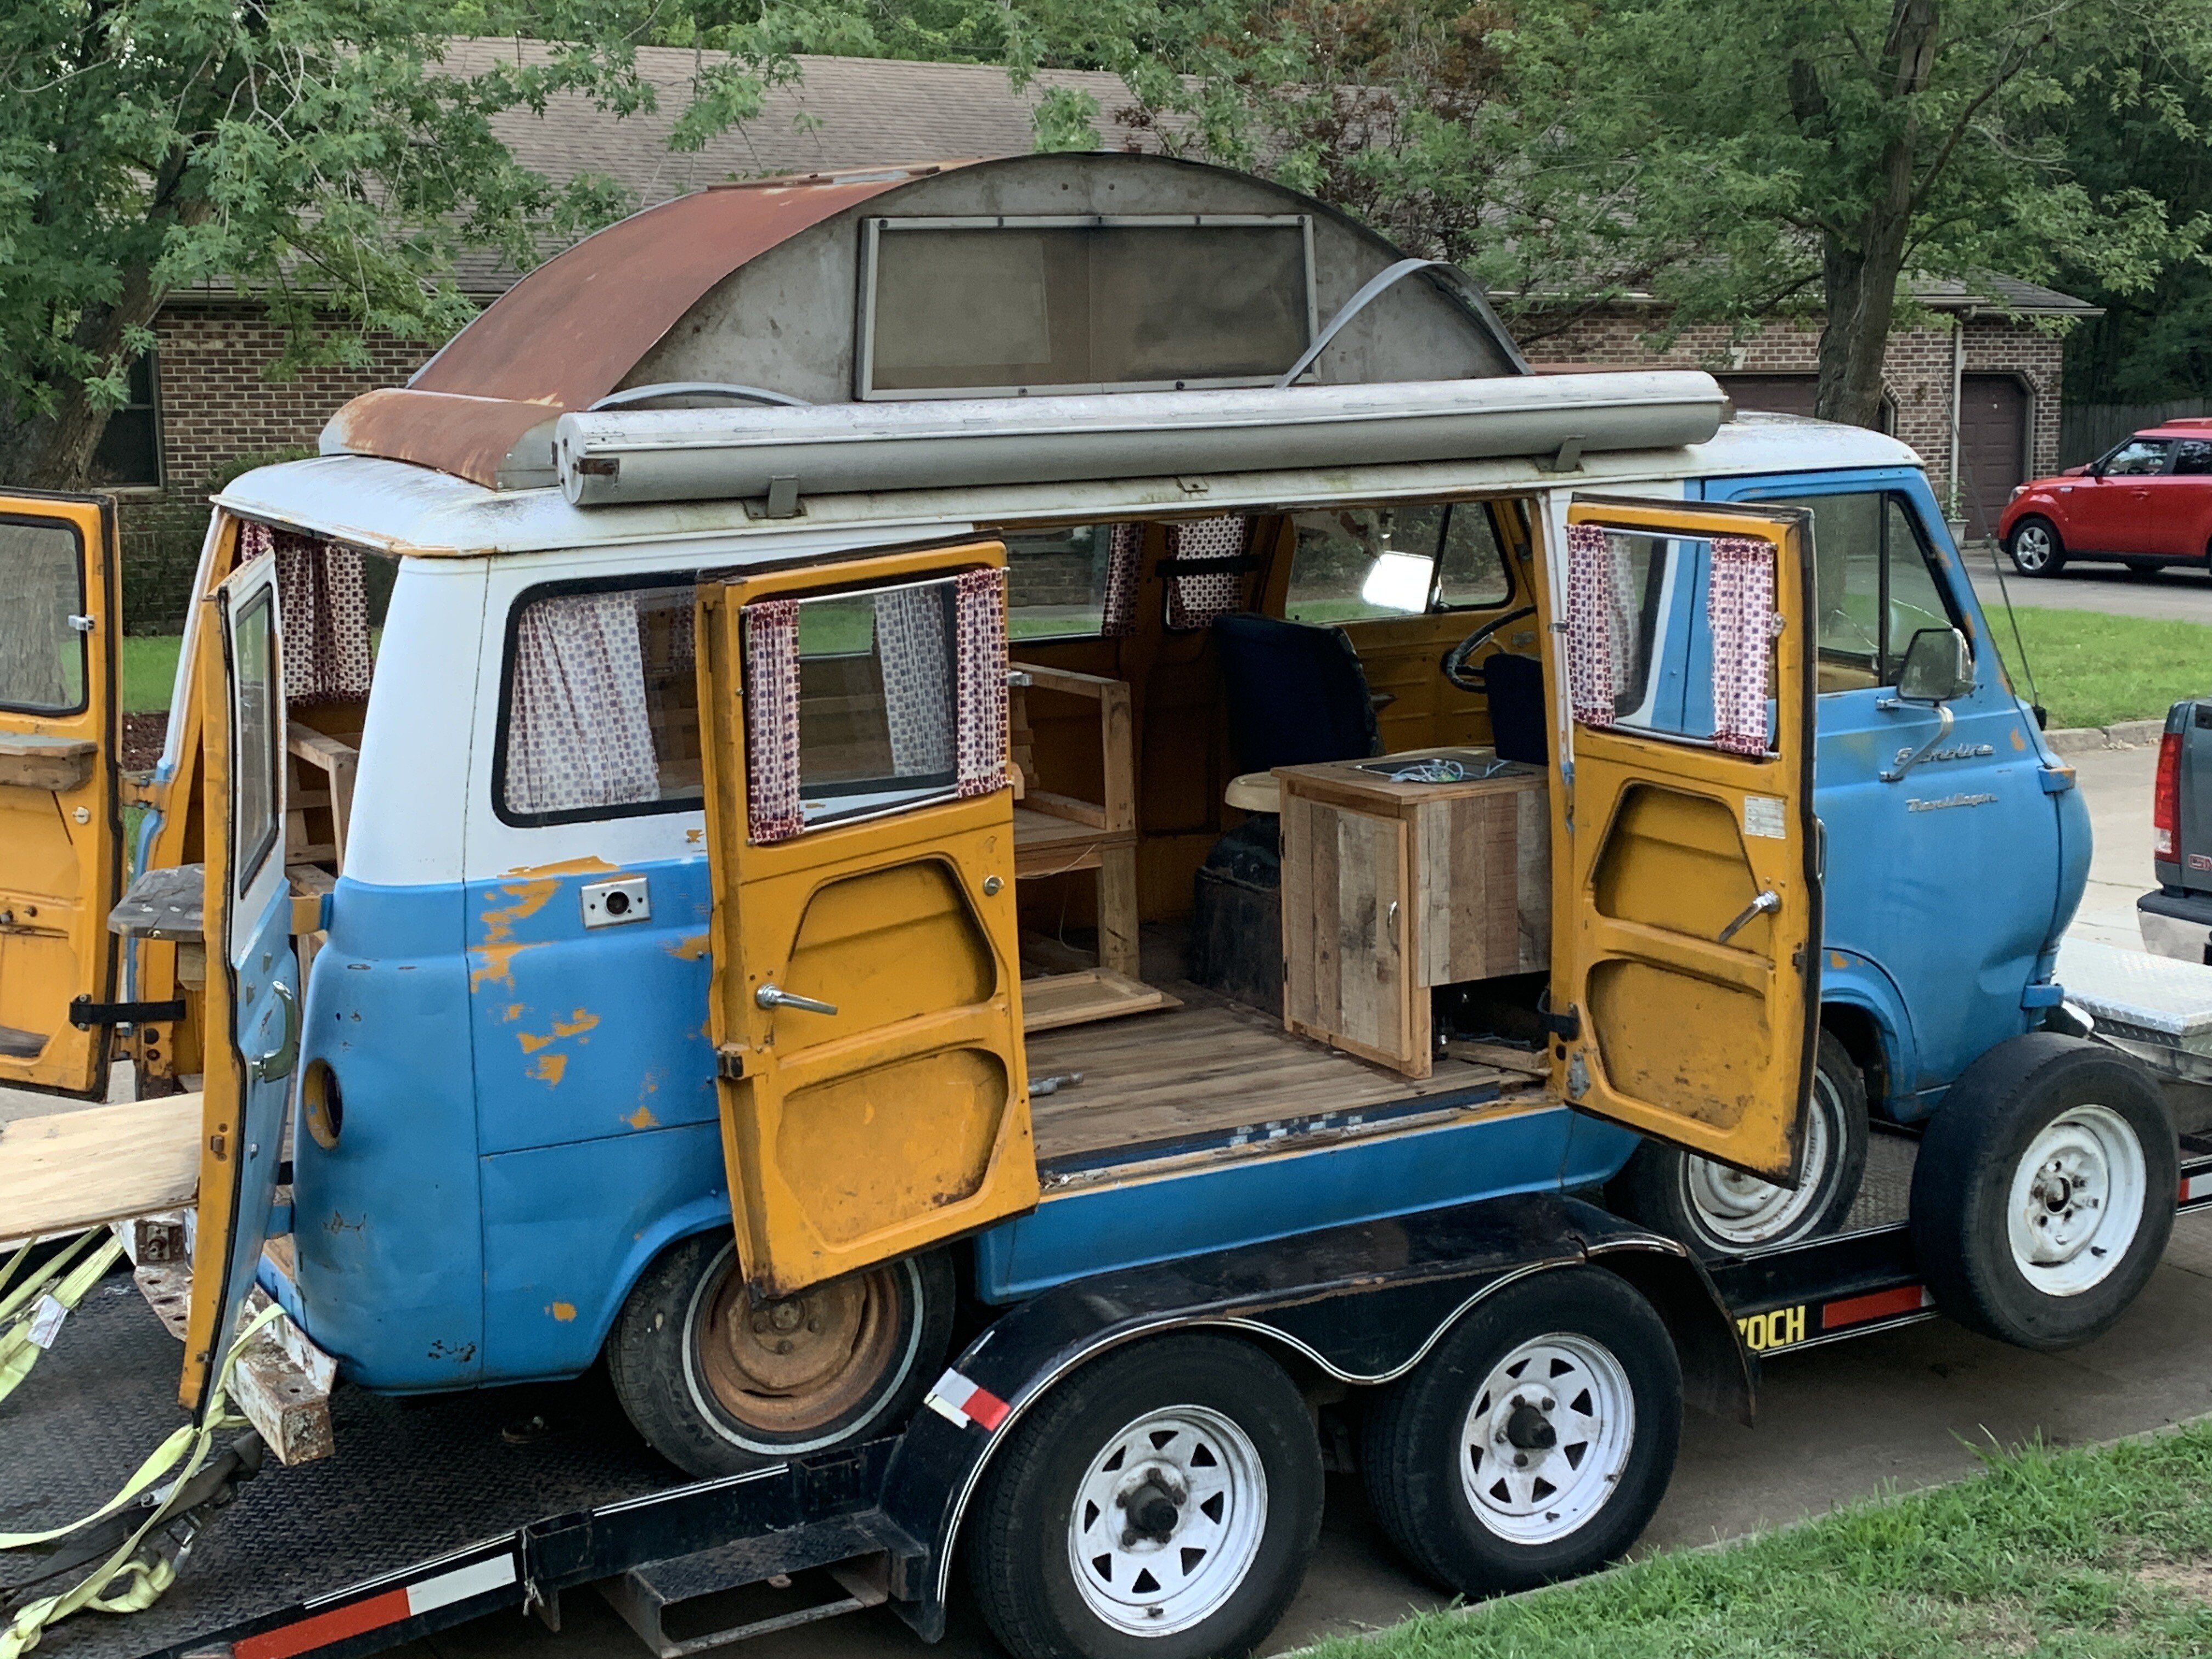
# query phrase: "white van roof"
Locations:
[[409, 511]]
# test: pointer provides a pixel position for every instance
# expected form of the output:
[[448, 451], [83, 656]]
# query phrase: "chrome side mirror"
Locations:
[[1937, 668]]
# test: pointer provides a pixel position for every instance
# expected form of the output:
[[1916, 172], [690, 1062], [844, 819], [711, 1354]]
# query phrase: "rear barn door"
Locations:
[[253, 1000], [1688, 903], [59, 832], [866, 1005]]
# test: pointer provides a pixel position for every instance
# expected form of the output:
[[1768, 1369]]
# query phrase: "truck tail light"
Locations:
[[2165, 795]]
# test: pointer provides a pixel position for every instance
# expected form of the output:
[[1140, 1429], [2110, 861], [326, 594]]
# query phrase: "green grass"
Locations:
[[2093, 669], [2106, 1554], [149, 670]]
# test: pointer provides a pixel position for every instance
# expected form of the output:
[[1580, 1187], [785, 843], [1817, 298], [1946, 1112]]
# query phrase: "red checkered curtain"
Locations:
[[1124, 548], [1740, 611], [1593, 651], [1196, 598], [980, 681], [322, 607], [772, 809], [579, 733]]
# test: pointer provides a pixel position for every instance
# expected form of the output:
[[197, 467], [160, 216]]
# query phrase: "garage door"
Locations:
[[1992, 447], [1778, 394]]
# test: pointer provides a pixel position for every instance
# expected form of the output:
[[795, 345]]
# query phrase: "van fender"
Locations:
[[1849, 980], [700, 1215], [1363, 1304]]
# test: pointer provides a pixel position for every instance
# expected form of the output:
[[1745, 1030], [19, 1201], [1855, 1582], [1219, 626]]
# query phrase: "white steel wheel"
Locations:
[[1740, 1211], [1167, 1520], [2077, 1200], [1547, 1437]]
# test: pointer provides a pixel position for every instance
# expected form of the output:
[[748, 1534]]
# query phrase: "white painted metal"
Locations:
[[1740, 1211], [2077, 1200], [626, 456], [1189, 1462], [1578, 1390]]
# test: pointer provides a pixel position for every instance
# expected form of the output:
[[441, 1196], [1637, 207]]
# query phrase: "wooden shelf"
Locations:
[[1087, 995]]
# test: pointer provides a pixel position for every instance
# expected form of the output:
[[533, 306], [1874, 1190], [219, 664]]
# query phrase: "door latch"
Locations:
[[1764, 905], [772, 996]]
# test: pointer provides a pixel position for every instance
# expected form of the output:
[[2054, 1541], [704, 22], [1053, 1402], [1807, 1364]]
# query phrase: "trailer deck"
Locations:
[[439, 1509]]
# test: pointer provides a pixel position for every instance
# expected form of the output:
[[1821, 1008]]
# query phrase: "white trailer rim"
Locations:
[[2077, 1200], [1569, 1390], [1739, 1212], [1186, 1462]]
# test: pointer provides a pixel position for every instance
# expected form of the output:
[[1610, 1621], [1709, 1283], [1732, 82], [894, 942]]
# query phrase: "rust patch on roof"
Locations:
[[468, 437]]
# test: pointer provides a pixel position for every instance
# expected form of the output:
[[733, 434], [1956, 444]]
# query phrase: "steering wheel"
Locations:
[[1454, 662]]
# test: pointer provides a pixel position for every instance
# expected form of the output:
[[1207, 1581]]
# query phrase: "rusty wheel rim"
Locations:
[[789, 1367]]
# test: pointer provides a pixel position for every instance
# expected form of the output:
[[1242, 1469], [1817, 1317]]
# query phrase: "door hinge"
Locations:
[[84, 1013], [1568, 1025]]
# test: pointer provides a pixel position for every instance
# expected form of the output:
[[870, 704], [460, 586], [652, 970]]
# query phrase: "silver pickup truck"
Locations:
[[2176, 917]]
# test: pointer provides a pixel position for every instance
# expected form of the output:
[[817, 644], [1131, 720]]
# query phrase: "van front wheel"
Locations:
[[718, 1382]]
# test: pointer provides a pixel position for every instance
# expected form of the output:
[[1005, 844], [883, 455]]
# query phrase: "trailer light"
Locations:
[[2165, 795]]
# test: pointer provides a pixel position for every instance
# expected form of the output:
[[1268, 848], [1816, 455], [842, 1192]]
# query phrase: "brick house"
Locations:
[[202, 403]]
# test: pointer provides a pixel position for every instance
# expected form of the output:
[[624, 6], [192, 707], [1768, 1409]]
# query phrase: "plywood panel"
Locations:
[[67, 1171]]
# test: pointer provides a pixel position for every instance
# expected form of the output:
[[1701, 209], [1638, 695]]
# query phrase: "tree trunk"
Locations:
[[55, 451]]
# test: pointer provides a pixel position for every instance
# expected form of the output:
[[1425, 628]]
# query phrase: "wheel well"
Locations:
[[1716, 1374], [1856, 1029]]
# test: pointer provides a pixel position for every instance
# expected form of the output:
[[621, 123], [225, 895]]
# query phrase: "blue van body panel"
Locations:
[[1252, 1200], [387, 1229], [1950, 879], [1852, 981]]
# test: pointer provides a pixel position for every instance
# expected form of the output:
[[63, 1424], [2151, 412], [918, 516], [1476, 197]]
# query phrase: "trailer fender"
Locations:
[[1363, 1303], [1717, 1376]]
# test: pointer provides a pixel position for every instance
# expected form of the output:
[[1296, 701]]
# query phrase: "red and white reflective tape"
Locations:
[[960, 1402], [2194, 1186], [372, 1613]]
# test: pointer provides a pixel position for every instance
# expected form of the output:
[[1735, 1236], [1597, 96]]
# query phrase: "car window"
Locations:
[[1874, 586], [1353, 563], [2137, 459], [2193, 455], [1056, 581]]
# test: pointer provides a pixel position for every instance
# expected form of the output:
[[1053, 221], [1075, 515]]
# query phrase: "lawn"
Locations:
[[2104, 1552], [149, 670], [2093, 669]]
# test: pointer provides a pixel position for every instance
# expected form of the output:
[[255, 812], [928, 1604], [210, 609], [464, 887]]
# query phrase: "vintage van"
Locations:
[[860, 748]]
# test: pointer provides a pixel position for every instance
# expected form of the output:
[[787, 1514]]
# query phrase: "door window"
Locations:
[[42, 655], [2138, 458], [2192, 457], [255, 785], [1874, 586]]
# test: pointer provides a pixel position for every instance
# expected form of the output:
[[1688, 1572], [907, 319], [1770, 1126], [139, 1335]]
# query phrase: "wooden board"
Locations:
[[1345, 921], [1483, 863], [1086, 996], [282, 1382], [67, 1171]]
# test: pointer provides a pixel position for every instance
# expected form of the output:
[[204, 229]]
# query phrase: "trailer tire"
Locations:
[[2006, 1250], [1720, 1213], [1204, 1435], [1431, 1452], [697, 1367]]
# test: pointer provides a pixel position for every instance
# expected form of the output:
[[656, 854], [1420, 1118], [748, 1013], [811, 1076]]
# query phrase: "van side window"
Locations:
[[1874, 586], [1057, 582], [1354, 563], [600, 708]]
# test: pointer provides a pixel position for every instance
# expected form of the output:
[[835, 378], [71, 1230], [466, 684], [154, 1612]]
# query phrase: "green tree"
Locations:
[[312, 155]]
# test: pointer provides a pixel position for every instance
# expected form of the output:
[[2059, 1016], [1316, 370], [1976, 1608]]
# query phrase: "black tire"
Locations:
[[1422, 1470], [1992, 1139], [1022, 1544], [2036, 547], [1720, 1213], [711, 1394]]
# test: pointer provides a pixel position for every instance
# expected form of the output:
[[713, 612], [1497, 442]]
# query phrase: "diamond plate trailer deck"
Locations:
[[440, 1509]]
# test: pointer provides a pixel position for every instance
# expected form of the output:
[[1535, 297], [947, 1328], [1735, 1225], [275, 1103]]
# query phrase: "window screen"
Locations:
[[41, 655], [995, 308]]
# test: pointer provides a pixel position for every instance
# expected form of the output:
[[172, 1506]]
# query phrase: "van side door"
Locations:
[[1686, 882], [866, 1007], [60, 834]]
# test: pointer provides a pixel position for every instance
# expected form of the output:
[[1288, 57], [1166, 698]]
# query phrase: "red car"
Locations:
[[2145, 502]]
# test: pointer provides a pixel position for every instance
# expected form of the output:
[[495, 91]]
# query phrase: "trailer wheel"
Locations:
[[1720, 1212], [1163, 1502], [718, 1382], [1536, 1441], [2044, 1190]]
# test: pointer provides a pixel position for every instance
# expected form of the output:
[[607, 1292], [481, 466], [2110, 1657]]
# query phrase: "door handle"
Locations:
[[772, 996], [278, 1062], [1764, 905]]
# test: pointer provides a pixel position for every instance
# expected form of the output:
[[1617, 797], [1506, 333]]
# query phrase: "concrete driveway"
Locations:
[[2176, 594]]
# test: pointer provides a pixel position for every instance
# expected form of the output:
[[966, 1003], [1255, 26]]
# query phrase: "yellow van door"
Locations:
[[60, 835], [866, 1008], [1687, 899]]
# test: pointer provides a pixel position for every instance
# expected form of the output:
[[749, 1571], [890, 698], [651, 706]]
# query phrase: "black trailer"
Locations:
[[439, 1510]]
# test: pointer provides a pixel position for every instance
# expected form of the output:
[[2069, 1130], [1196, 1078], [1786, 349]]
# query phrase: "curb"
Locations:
[[2121, 734]]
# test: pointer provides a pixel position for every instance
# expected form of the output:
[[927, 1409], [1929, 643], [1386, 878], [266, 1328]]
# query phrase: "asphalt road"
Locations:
[[2176, 594]]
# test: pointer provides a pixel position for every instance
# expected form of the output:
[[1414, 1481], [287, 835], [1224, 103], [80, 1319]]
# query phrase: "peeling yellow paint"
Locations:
[[1836, 959], [513, 1012], [530, 898], [695, 836], [689, 948], [563, 1311], [642, 1118], [580, 1020], [549, 1068], [589, 864], [2018, 740], [496, 962]]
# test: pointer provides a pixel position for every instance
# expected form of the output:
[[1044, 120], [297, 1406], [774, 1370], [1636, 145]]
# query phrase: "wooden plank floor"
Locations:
[[1210, 1064]]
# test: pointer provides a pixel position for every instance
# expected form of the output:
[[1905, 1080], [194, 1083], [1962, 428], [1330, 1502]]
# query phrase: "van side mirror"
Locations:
[[1937, 668]]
